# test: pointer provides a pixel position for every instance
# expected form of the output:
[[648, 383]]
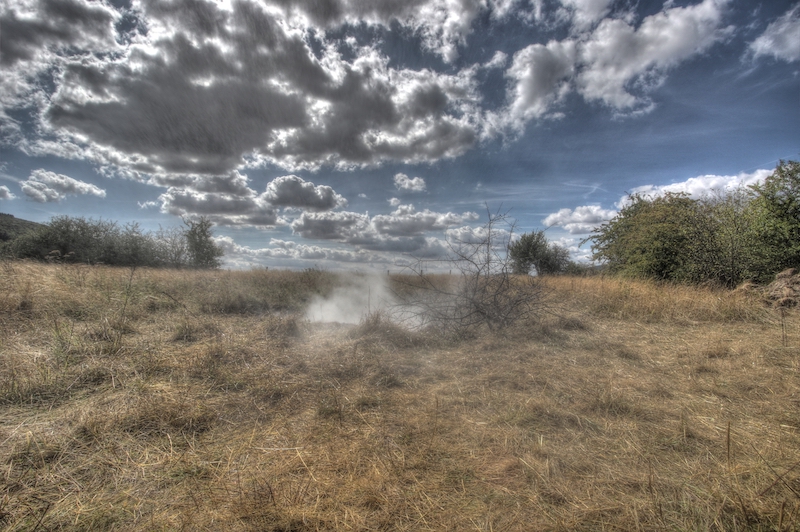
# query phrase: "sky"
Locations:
[[367, 134]]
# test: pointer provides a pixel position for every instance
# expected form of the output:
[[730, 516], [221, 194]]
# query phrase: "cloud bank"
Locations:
[[165, 91], [583, 219]]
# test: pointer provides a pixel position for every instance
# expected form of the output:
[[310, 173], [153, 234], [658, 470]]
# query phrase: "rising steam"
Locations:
[[361, 295]]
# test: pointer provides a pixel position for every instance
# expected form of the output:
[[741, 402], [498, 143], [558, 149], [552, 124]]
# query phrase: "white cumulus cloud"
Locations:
[[412, 184], [44, 186], [616, 60], [580, 220], [702, 186], [622, 63], [587, 12], [5, 193]]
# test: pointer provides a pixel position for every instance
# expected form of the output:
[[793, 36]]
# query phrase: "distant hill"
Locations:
[[12, 227]]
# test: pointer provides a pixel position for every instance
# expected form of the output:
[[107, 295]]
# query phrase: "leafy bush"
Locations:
[[91, 241], [746, 234], [776, 220]]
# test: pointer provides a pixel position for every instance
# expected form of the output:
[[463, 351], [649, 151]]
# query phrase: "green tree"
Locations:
[[648, 237], [202, 251], [534, 252], [722, 241], [776, 213]]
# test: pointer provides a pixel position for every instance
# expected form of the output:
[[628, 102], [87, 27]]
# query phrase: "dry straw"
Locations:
[[165, 400]]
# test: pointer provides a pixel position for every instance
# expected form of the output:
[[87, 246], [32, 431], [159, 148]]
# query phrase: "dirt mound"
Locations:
[[784, 291]]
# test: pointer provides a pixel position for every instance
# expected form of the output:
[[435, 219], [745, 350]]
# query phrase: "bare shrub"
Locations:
[[483, 291]]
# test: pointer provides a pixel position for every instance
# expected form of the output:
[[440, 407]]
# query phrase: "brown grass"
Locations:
[[158, 400]]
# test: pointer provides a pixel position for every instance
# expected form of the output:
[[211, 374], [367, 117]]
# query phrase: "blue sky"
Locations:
[[364, 134]]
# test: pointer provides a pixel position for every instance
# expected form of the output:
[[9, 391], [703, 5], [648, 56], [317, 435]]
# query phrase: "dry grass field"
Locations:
[[179, 400]]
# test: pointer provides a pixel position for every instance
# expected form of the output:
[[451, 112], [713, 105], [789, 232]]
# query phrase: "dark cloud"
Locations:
[[540, 77], [221, 208], [403, 231], [230, 201], [342, 226], [179, 126], [210, 87], [292, 191], [199, 17], [54, 23]]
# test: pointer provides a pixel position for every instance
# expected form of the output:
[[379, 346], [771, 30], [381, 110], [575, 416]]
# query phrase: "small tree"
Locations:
[[200, 246], [170, 247], [721, 242], [533, 251]]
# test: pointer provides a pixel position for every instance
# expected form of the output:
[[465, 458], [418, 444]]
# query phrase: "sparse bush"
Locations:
[[484, 291]]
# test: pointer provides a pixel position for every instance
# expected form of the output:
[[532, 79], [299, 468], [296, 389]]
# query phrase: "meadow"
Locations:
[[137, 399]]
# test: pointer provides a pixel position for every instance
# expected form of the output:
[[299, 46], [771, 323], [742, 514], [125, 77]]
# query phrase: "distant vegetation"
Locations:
[[534, 253], [12, 227], [748, 234], [88, 241]]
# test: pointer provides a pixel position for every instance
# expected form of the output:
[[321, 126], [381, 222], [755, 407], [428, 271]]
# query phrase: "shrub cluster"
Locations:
[[750, 233], [77, 239]]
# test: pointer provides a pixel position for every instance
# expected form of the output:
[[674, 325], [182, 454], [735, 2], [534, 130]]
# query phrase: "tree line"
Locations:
[[750, 233], [747, 234], [88, 241]]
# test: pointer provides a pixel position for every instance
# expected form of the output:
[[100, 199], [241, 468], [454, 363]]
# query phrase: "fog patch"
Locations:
[[360, 296]]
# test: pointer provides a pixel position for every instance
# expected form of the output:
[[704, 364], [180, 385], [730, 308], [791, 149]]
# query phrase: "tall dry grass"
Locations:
[[162, 400], [652, 301]]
